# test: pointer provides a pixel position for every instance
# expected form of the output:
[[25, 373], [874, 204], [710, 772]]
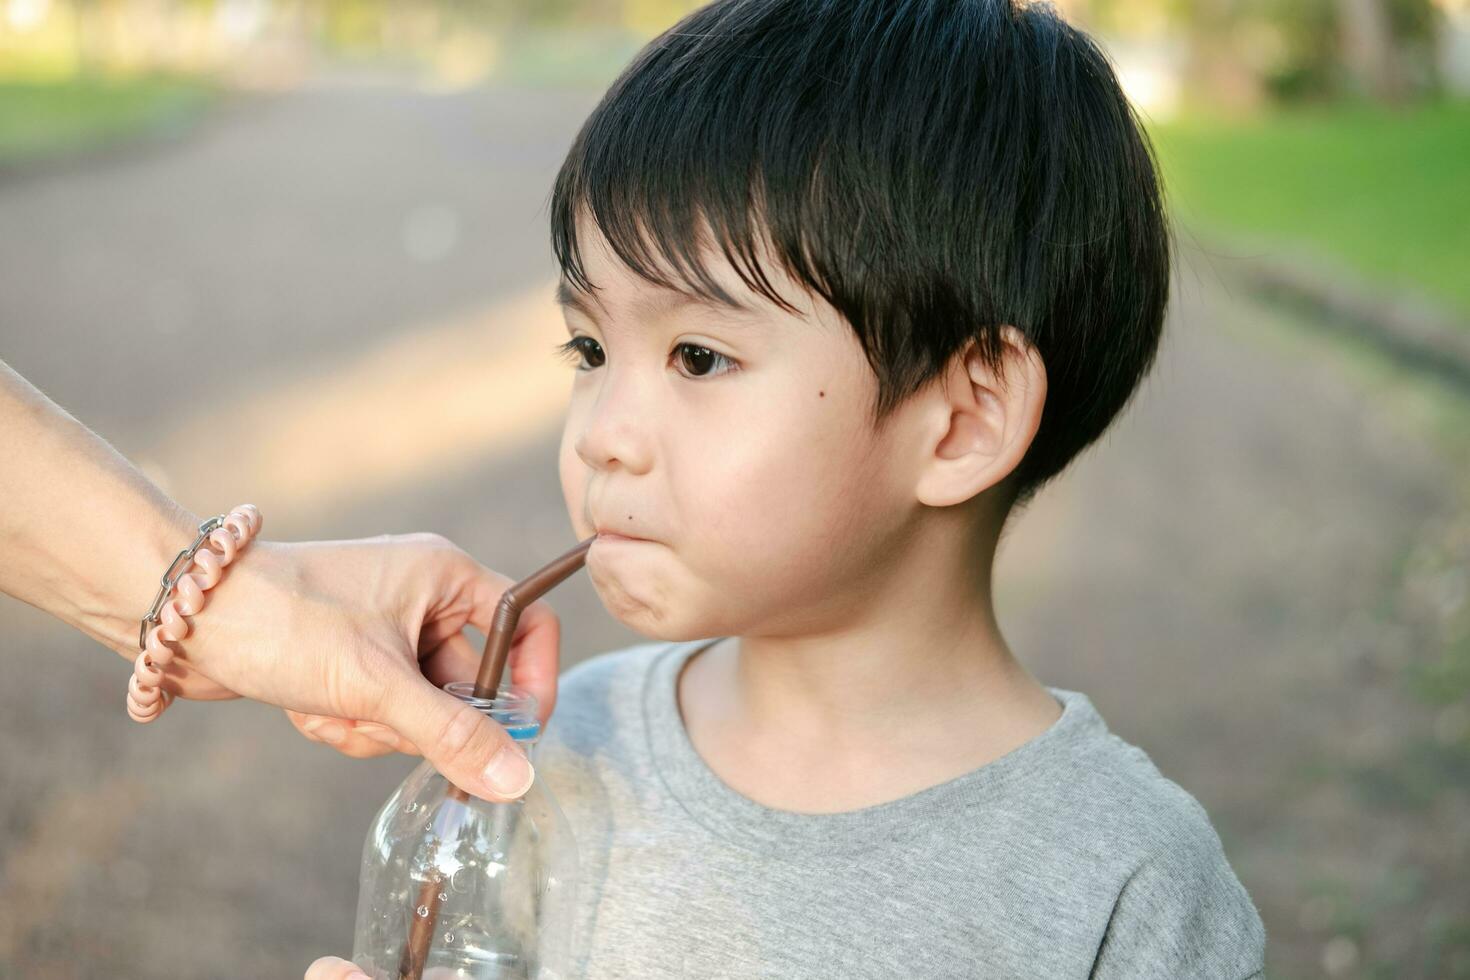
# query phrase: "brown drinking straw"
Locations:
[[487, 685]]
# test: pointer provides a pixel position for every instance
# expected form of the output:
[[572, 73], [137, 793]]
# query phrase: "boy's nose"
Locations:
[[615, 429]]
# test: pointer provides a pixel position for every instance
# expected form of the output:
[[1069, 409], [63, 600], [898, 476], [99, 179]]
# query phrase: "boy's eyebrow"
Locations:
[[670, 300], [567, 296]]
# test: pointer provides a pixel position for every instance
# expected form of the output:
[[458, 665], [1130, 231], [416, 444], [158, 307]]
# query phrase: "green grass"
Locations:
[[1384, 193], [44, 119]]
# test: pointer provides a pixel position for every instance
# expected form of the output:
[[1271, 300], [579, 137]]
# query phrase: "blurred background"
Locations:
[[318, 230]]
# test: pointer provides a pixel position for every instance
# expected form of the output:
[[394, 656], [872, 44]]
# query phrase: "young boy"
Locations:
[[847, 281]]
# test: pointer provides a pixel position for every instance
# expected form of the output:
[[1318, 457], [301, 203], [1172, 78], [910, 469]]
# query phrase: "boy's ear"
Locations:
[[980, 425]]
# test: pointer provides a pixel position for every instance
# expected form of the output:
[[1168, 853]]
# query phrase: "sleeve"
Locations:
[[1182, 913]]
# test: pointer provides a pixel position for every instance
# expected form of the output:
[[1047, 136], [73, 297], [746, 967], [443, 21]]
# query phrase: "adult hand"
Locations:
[[355, 639], [338, 633]]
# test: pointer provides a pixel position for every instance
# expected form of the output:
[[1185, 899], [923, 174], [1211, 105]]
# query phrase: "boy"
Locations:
[[847, 281]]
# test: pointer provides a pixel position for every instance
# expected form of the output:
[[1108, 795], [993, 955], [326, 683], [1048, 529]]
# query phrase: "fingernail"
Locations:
[[510, 773], [358, 975]]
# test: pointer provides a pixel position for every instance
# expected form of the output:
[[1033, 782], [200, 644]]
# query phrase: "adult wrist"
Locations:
[[111, 602], [193, 571]]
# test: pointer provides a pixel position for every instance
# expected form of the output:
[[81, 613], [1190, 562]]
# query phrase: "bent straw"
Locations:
[[487, 685]]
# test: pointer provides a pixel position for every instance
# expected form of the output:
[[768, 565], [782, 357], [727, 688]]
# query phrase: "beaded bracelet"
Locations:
[[193, 571]]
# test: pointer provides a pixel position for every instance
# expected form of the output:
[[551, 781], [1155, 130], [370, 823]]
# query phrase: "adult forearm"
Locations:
[[83, 535]]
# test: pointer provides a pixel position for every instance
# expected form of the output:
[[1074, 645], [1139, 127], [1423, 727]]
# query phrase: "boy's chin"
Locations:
[[661, 624], [652, 615]]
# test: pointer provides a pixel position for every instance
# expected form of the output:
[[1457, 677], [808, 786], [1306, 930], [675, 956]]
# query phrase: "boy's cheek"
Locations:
[[573, 475]]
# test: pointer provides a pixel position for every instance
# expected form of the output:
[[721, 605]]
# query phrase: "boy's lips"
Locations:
[[615, 529], [610, 533], [610, 536]]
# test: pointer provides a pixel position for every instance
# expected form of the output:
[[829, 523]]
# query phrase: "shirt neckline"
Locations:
[[738, 819]]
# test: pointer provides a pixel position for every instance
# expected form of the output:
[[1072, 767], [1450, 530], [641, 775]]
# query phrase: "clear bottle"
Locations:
[[497, 880]]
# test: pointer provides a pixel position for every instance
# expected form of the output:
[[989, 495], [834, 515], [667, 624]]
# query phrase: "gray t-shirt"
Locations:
[[1070, 856]]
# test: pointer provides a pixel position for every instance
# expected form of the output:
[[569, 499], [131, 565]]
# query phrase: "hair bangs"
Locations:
[[705, 147]]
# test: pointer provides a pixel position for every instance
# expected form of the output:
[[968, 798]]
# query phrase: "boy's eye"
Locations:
[[701, 360], [587, 354], [579, 347]]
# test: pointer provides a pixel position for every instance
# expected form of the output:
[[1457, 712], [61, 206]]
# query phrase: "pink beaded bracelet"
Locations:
[[193, 571]]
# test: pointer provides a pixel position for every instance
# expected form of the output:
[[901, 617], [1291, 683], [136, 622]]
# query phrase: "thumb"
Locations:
[[470, 750]]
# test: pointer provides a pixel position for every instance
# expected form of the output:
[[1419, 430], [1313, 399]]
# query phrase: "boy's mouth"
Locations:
[[610, 536], [609, 531]]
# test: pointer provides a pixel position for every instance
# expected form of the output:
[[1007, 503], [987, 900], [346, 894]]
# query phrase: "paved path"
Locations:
[[1224, 578]]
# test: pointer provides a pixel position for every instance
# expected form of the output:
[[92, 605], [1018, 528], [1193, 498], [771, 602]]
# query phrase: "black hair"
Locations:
[[933, 169]]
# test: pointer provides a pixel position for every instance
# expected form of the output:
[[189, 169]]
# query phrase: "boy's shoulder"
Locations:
[[1116, 794], [1108, 815], [1107, 800]]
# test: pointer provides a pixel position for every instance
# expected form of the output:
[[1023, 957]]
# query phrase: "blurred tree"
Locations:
[[87, 28], [655, 16], [1304, 60], [1241, 51], [565, 13], [1234, 52], [1368, 54]]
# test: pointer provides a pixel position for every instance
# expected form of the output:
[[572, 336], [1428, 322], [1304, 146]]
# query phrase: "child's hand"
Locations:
[[356, 638], [333, 968]]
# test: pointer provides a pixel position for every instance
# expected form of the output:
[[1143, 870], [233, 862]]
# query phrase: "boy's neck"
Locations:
[[917, 689]]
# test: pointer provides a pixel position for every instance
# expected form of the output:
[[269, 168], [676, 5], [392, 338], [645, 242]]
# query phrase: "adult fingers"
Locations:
[[360, 740], [473, 752], [535, 656], [455, 659], [533, 664], [535, 650]]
